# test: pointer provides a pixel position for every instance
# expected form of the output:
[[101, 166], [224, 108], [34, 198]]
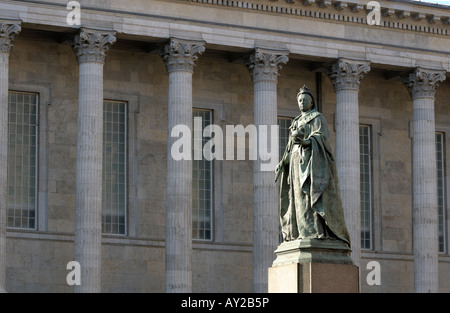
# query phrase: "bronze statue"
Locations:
[[310, 202]]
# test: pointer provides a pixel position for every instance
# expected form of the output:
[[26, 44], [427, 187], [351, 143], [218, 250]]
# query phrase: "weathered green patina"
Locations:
[[310, 202]]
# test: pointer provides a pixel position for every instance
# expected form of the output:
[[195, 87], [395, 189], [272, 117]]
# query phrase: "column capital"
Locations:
[[181, 55], [265, 64], [422, 83], [8, 31], [347, 74], [91, 45]]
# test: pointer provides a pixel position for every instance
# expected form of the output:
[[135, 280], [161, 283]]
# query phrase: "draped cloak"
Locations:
[[310, 201]]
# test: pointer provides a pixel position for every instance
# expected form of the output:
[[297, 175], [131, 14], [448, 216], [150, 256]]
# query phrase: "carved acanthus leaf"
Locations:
[[422, 83], [181, 55], [91, 45], [8, 33], [347, 74], [266, 65]]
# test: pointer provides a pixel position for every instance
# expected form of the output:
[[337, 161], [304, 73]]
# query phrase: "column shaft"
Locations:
[[348, 164], [4, 59], [179, 190], [88, 229], [425, 212], [346, 76], [90, 46], [264, 66], [8, 31], [179, 57], [265, 192], [421, 84]]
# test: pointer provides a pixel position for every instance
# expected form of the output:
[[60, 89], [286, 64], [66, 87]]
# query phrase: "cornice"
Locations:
[[394, 14]]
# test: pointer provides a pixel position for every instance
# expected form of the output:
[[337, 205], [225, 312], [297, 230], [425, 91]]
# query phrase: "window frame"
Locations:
[[444, 190], [36, 170], [370, 182], [132, 101], [220, 181], [43, 91], [211, 178], [125, 233], [376, 213]]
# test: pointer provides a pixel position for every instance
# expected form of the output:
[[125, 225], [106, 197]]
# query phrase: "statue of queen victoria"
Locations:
[[310, 201]]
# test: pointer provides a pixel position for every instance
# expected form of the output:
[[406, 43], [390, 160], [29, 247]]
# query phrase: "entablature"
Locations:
[[405, 15], [315, 38]]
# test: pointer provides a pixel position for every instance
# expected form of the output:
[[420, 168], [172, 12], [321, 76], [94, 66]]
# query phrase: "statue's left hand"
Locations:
[[297, 134]]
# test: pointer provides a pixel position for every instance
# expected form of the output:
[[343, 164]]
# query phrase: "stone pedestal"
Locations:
[[313, 266], [314, 278]]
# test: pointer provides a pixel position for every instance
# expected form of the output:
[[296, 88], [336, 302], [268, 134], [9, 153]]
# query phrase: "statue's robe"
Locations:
[[310, 202]]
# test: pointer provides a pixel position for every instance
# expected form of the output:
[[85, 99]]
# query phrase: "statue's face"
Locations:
[[304, 102]]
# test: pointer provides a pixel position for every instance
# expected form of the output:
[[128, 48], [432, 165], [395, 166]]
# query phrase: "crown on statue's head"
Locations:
[[305, 90]]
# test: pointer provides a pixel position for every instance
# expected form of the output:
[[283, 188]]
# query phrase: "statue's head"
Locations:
[[305, 99]]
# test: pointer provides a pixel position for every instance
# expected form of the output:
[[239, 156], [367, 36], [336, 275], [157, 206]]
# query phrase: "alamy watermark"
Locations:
[[373, 278], [374, 16], [262, 143], [74, 16], [74, 276]]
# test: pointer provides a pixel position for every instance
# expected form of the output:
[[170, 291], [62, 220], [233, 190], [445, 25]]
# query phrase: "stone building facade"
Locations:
[[87, 113]]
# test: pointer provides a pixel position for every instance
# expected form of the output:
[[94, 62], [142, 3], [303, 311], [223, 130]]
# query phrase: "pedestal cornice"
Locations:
[[313, 250]]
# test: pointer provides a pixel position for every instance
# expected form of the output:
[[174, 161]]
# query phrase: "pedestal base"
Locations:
[[314, 278], [313, 265]]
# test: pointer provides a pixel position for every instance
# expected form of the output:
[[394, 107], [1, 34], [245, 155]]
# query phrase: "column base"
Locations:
[[313, 266]]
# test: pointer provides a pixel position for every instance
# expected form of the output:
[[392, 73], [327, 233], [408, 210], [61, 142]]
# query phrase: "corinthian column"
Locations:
[[264, 66], [421, 84], [179, 57], [346, 77], [8, 31], [90, 47]]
